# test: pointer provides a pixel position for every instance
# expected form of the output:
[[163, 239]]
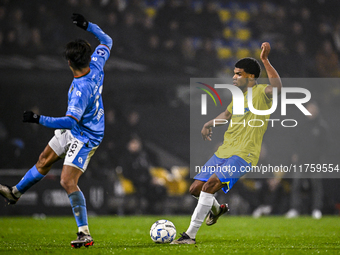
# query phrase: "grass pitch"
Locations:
[[130, 235]]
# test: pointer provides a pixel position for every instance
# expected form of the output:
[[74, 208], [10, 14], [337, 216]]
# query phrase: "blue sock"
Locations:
[[78, 205], [30, 178]]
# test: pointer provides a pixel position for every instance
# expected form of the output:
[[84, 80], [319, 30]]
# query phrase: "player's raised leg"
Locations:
[[216, 210], [34, 175]]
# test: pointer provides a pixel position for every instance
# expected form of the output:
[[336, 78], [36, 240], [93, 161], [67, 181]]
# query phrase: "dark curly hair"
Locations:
[[249, 65], [78, 52]]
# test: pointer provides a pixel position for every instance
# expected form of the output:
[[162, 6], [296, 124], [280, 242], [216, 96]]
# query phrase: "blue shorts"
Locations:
[[228, 170]]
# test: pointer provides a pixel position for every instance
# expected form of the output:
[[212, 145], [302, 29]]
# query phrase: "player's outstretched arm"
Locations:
[[207, 127], [81, 22], [66, 122], [273, 76]]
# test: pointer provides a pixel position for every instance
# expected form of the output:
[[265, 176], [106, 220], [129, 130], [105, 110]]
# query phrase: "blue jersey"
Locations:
[[85, 111], [85, 103]]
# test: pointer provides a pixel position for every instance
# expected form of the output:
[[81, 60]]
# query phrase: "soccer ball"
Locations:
[[163, 231]]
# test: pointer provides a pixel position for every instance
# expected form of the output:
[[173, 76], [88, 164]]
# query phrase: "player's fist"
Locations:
[[31, 117], [80, 21], [206, 133], [265, 47]]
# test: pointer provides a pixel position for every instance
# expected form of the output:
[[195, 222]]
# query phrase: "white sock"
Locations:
[[16, 192], [84, 229], [204, 205], [215, 207]]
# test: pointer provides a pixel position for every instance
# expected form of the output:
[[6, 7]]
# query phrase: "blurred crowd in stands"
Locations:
[[202, 37]]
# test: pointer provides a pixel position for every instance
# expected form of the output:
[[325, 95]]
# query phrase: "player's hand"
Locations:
[[265, 47], [80, 21], [206, 133], [31, 117]]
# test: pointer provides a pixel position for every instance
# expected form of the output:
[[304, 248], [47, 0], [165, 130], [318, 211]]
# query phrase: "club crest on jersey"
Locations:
[[101, 52]]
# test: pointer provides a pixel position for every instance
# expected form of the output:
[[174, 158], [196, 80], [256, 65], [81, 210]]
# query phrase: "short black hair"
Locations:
[[249, 65], [79, 53]]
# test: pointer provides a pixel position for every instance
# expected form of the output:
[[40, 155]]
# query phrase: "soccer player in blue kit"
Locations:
[[79, 133]]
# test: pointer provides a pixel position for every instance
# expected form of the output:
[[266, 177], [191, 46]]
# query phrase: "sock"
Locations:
[[204, 205], [215, 207], [30, 178], [16, 192], [84, 229], [78, 205]]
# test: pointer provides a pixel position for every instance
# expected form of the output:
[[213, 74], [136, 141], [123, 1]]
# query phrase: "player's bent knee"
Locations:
[[63, 184], [212, 185], [67, 184], [207, 188], [195, 189]]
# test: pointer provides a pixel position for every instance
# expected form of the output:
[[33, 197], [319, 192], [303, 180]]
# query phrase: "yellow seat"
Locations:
[[257, 53], [159, 172], [150, 11], [243, 34], [224, 53], [227, 33], [180, 172], [127, 185], [174, 181], [242, 53], [225, 15], [242, 16]]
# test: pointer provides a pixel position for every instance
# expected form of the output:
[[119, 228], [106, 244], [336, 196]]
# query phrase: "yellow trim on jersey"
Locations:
[[242, 139], [226, 183]]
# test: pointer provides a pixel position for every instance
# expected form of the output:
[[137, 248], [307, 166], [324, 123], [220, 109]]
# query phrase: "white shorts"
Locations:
[[75, 152]]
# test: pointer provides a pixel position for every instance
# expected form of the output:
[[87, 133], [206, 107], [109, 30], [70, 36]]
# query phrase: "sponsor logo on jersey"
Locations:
[[78, 93], [101, 52]]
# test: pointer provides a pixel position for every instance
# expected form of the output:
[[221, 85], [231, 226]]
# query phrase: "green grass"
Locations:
[[130, 235]]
